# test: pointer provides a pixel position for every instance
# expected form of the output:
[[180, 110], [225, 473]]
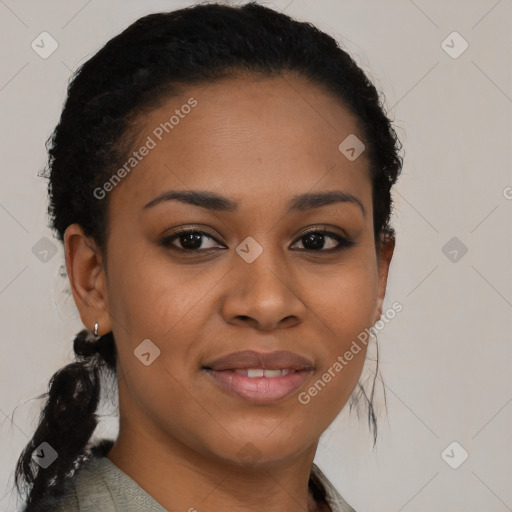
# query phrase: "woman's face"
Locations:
[[252, 280]]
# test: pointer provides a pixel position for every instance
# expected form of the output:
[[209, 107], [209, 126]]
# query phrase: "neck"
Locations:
[[182, 479]]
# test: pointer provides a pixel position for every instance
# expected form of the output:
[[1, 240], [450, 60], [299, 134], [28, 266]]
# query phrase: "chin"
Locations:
[[261, 449]]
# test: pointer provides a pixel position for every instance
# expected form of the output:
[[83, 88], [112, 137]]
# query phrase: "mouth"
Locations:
[[260, 378]]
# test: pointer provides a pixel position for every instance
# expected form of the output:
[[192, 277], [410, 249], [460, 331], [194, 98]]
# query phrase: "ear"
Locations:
[[87, 279], [384, 255]]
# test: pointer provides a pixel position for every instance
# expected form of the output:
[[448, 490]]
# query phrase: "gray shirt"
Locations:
[[100, 486]]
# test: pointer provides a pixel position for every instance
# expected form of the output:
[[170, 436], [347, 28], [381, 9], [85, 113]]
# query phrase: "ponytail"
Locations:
[[67, 420]]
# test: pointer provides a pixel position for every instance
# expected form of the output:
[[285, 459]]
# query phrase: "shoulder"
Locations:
[[62, 500], [81, 492]]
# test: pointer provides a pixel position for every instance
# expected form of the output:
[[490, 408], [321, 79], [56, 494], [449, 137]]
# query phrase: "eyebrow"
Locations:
[[216, 202]]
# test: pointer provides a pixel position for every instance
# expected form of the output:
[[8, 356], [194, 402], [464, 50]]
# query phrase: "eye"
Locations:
[[195, 240], [316, 239], [190, 240]]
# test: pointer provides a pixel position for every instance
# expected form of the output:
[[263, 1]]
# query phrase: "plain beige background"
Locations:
[[445, 358]]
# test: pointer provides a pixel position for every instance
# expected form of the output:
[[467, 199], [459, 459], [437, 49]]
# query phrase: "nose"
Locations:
[[263, 296]]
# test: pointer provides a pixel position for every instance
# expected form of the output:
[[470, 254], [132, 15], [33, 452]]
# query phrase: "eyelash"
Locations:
[[343, 243]]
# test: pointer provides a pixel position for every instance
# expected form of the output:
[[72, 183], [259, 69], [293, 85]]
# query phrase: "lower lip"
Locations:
[[260, 390]]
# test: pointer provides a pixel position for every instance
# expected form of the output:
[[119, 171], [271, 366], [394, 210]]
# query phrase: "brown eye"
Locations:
[[317, 240], [193, 240], [190, 240]]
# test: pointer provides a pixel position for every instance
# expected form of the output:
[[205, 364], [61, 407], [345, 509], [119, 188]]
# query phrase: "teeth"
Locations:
[[260, 372], [272, 373]]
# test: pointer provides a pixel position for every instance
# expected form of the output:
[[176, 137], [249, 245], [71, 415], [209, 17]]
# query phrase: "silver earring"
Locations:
[[96, 329]]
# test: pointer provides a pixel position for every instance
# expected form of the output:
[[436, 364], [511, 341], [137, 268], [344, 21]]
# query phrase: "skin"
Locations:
[[256, 141]]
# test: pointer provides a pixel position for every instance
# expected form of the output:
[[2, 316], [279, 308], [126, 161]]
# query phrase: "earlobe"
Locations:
[[84, 265]]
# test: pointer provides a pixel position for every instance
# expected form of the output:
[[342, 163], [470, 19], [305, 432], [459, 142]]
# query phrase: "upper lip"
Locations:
[[280, 359]]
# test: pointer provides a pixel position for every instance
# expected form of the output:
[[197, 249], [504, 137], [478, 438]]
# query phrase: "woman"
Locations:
[[220, 178]]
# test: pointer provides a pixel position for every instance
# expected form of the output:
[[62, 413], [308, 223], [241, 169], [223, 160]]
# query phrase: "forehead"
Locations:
[[246, 137]]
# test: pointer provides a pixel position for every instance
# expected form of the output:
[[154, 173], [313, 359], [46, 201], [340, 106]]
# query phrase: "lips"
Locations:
[[278, 360], [260, 378]]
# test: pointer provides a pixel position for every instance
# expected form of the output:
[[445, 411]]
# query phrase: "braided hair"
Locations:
[[131, 74], [68, 418]]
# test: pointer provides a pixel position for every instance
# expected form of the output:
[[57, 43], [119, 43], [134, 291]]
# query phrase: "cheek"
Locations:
[[150, 298], [346, 301], [337, 375], [168, 307], [165, 306], [345, 308]]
